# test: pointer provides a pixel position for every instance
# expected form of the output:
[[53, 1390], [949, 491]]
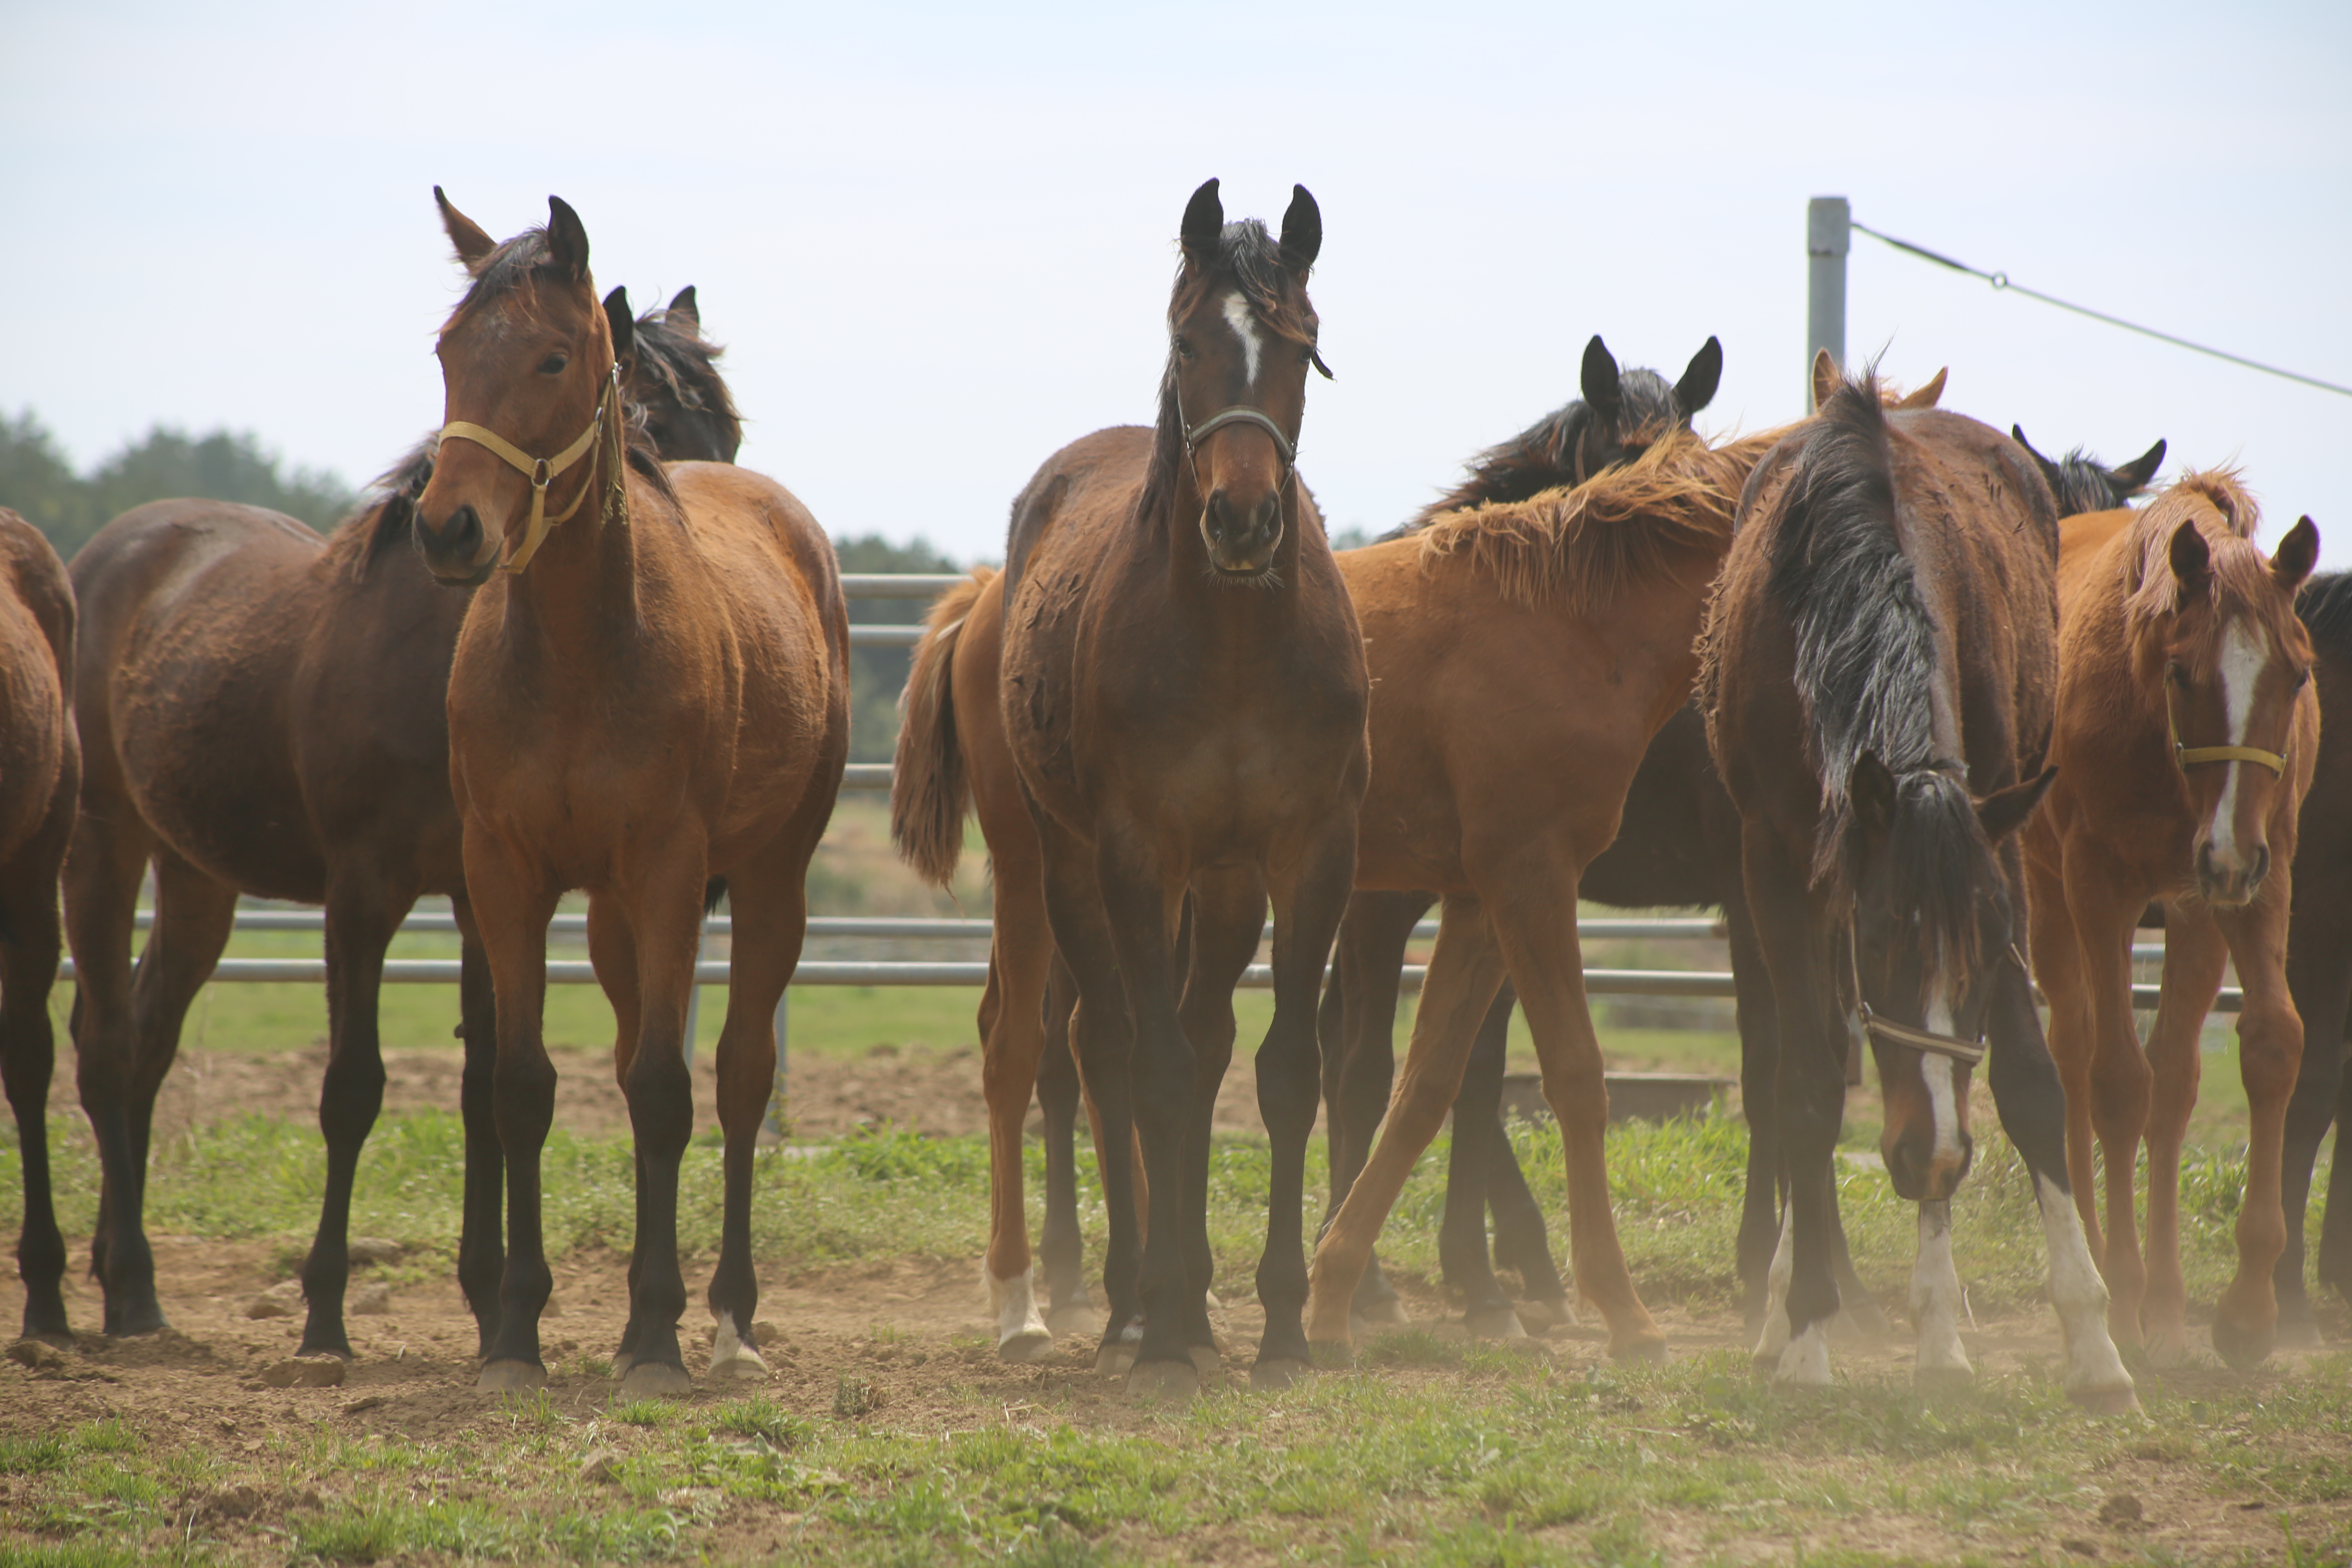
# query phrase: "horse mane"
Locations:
[[2325, 604], [382, 520], [2209, 497], [1543, 455], [1580, 546], [1933, 850], [2084, 484], [684, 362], [1249, 260], [1865, 640]]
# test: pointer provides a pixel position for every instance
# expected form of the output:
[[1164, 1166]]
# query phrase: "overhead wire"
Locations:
[[2003, 281]]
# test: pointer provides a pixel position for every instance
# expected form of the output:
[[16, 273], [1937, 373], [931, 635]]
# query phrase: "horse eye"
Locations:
[[2302, 678], [553, 364], [1183, 348]]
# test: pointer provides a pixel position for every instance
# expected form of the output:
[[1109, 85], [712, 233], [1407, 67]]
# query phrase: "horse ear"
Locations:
[[1871, 787], [1696, 390], [2049, 470], [1599, 378], [2297, 554], [1929, 394], [1302, 232], [623, 324], [683, 313], [2191, 560], [567, 238], [2004, 811], [2133, 477], [1826, 376], [1204, 224], [474, 245]]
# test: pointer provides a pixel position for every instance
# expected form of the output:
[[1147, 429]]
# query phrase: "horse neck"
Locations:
[[578, 597]]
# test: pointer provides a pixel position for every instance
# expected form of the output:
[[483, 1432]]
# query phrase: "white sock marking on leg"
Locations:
[[2079, 1295], [1936, 1294]]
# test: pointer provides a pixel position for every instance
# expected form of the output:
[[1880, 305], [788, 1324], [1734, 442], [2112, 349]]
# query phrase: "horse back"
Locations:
[[39, 751]]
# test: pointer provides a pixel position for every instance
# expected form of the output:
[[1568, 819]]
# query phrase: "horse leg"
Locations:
[[2032, 1106], [2194, 956], [1310, 897], [1462, 1251], [513, 904], [2117, 1082], [482, 1245], [1759, 1207], [1228, 920], [1464, 974], [613, 955], [1534, 921], [770, 901], [1061, 1247], [2336, 1226], [1522, 1241], [1013, 1037], [2319, 979], [1357, 1032], [2270, 1049], [1141, 904], [1798, 932], [663, 899], [363, 914], [28, 971], [1103, 1047], [103, 869]]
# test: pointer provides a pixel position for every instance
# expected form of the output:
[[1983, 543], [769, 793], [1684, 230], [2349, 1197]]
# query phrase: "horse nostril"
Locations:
[[2262, 863]]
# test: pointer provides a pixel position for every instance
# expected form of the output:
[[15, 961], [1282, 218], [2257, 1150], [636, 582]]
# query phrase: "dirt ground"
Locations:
[[916, 1332]]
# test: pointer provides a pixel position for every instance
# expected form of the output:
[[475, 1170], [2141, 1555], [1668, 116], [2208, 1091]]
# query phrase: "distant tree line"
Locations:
[[37, 480]]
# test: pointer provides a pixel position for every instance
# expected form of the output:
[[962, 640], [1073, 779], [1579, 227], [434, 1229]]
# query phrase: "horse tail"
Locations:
[[928, 791]]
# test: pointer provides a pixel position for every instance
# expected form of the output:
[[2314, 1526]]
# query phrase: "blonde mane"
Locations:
[[1580, 546]]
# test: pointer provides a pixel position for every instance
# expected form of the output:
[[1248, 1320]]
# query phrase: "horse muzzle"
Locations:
[[1242, 540], [1920, 1172], [2228, 879], [459, 552]]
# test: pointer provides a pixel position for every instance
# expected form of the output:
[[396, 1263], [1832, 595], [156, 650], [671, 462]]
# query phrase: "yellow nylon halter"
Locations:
[[2189, 756], [542, 471]]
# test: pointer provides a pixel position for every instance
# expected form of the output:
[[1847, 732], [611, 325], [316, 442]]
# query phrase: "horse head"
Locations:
[[1241, 338], [2218, 645], [1628, 411], [1933, 927], [675, 389], [2082, 483], [531, 387]]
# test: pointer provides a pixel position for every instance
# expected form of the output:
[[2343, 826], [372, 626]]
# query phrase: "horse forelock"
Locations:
[[2238, 582], [1579, 547], [1938, 866], [1867, 668]]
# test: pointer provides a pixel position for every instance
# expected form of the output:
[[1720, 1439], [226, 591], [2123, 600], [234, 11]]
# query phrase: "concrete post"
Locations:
[[1828, 235]]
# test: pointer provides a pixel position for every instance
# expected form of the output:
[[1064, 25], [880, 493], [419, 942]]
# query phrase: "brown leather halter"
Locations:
[[1967, 1053], [542, 471]]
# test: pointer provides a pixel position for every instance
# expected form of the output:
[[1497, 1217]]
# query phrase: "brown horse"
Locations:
[[1881, 668], [40, 767], [1523, 656], [1181, 690], [265, 711], [645, 701], [2187, 735]]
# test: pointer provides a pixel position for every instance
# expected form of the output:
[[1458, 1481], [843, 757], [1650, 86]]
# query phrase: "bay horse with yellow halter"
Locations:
[[1880, 677], [649, 696], [266, 712], [2185, 738], [1179, 690]]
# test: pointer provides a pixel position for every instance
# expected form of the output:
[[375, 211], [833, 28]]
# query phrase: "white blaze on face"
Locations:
[[2242, 657], [1239, 317], [1942, 1094]]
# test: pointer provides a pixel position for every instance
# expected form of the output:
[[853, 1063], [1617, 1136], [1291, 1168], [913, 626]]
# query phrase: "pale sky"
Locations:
[[937, 240]]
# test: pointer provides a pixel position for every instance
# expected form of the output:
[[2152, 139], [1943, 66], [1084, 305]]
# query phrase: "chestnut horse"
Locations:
[[2319, 965], [1880, 676], [1181, 690], [265, 711], [649, 698], [1523, 656], [2187, 736], [40, 767]]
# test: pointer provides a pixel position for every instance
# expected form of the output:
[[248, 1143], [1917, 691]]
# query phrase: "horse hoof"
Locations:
[[1332, 1355], [1163, 1382], [2105, 1400], [1026, 1348], [57, 1339], [1207, 1360], [744, 1366], [511, 1377], [656, 1380], [1494, 1323], [1371, 1317], [1078, 1320], [1540, 1315], [1114, 1359], [2243, 1349], [621, 1362], [1272, 1374]]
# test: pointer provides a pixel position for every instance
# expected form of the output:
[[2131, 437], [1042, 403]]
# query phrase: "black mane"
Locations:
[[389, 507], [680, 361], [2082, 483], [1547, 455], [2325, 605]]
